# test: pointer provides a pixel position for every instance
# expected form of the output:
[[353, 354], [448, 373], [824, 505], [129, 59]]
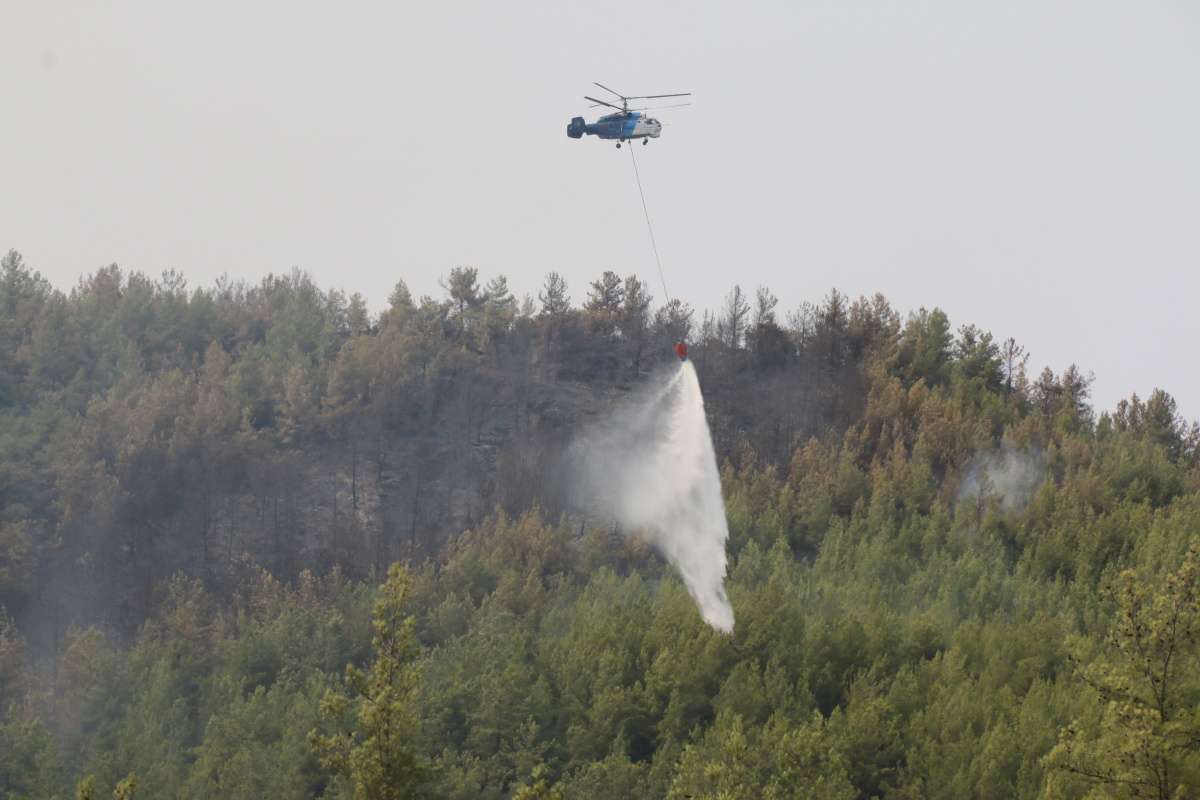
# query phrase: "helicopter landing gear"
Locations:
[[645, 142], [618, 145]]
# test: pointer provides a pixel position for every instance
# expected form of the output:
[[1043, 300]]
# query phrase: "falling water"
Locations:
[[653, 469]]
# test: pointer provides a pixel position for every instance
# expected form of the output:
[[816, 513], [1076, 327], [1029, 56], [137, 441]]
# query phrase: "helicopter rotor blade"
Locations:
[[656, 96], [655, 108], [602, 103], [605, 88]]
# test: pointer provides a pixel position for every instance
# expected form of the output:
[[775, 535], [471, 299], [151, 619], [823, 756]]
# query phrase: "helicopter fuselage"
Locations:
[[621, 126]]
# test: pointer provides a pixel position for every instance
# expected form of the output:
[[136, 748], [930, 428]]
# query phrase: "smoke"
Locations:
[[651, 468], [1011, 474]]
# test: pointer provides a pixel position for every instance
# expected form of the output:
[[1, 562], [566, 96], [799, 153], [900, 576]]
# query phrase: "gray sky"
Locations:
[[1031, 167]]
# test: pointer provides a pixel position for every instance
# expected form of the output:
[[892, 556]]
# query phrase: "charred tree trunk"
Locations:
[[412, 531]]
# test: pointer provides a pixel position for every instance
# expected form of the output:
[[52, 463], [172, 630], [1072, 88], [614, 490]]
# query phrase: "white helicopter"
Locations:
[[625, 125]]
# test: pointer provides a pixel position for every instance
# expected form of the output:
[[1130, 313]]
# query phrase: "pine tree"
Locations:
[[553, 296], [1014, 359], [377, 755], [606, 295], [1145, 682]]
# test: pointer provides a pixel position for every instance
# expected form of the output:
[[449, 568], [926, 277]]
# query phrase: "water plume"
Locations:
[[651, 468]]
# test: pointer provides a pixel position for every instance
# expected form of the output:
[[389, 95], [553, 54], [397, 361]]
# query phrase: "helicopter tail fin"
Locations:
[[576, 128]]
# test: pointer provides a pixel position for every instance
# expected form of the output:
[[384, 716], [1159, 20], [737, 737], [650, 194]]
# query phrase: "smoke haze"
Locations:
[[651, 468], [1011, 474]]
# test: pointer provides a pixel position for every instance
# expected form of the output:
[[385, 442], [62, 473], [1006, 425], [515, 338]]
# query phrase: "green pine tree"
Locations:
[[376, 752]]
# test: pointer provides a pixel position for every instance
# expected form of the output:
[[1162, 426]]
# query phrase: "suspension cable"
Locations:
[[649, 227]]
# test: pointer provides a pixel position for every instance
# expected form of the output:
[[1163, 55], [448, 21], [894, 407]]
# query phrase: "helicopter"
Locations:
[[627, 123]]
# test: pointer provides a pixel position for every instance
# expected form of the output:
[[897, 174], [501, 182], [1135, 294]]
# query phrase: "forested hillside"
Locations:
[[256, 541]]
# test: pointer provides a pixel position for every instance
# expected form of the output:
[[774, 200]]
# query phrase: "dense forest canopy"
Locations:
[[257, 541]]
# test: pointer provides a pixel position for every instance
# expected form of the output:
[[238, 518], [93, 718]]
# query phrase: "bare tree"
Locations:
[[732, 322]]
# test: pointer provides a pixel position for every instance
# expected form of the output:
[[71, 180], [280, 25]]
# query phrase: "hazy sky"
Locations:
[[1031, 167]]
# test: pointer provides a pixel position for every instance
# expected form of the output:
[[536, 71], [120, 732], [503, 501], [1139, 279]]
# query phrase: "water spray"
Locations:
[[652, 468]]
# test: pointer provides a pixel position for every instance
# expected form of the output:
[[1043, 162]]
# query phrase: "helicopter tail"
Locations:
[[576, 129]]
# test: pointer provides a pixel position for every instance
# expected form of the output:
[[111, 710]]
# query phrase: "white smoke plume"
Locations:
[[651, 468], [1010, 473]]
